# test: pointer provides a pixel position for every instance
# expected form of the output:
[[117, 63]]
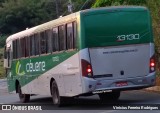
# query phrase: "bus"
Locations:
[[99, 51]]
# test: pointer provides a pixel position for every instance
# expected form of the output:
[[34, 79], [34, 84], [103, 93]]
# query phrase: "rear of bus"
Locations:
[[117, 49]]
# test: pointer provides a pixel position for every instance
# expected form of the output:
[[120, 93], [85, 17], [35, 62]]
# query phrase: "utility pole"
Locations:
[[57, 8], [70, 6]]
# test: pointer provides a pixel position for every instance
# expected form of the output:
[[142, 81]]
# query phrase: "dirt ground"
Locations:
[[158, 81]]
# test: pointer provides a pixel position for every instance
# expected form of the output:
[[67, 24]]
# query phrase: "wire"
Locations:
[[84, 4]]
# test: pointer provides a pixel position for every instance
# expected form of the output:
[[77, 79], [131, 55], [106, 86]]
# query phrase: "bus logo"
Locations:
[[18, 69]]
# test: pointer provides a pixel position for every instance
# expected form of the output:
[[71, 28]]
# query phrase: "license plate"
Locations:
[[120, 84]]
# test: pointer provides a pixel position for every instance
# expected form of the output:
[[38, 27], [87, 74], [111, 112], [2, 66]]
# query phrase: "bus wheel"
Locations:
[[24, 98], [114, 96], [57, 100]]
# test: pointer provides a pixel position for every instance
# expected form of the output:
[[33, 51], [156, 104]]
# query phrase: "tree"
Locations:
[[1, 1], [17, 15], [103, 3]]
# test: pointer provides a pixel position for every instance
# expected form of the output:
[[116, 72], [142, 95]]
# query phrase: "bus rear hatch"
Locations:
[[120, 62], [119, 42]]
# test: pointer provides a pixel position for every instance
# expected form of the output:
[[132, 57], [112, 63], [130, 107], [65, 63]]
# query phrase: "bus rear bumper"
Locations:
[[109, 85]]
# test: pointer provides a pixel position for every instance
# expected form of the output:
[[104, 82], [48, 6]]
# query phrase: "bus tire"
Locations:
[[110, 96], [24, 98], [57, 99]]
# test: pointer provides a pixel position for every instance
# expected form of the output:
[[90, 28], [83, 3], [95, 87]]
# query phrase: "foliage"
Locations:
[[1, 1], [17, 15], [78, 4], [103, 3], [2, 40], [154, 6]]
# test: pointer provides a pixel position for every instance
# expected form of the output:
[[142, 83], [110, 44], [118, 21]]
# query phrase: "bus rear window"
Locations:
[[131, 27]]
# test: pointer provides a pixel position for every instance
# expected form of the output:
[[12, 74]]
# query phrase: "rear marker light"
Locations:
[[89, 70], [86, 68], [152, 64]]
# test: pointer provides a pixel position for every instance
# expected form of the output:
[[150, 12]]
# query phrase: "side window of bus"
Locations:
[[55, 41], [32, 45], [49, 37], [27, 54], [18, 52], [43, 43], [75, 34], [14, 49], [70, 35], [37, 44], [22, 47], [62, 39]]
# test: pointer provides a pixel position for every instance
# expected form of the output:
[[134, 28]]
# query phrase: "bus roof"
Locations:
[[42, 27], [112, 8]]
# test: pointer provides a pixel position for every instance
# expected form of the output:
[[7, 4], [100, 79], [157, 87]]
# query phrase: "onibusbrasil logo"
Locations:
[[18, 69]]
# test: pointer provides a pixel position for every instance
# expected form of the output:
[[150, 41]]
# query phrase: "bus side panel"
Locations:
[[66, 75], [71, 76], [88, 84]]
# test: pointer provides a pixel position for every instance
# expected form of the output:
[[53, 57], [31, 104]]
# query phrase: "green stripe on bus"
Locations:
[[32, 68]]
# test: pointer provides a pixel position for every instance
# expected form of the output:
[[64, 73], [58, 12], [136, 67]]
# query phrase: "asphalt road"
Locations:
[[90, 104]]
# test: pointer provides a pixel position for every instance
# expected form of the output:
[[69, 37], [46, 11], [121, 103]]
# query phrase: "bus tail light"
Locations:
[[152, 64], [86, 68]]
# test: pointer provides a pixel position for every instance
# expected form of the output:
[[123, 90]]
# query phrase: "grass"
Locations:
[[2, 71]]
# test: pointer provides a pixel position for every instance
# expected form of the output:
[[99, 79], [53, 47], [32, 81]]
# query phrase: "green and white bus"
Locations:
[[97, 51]]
